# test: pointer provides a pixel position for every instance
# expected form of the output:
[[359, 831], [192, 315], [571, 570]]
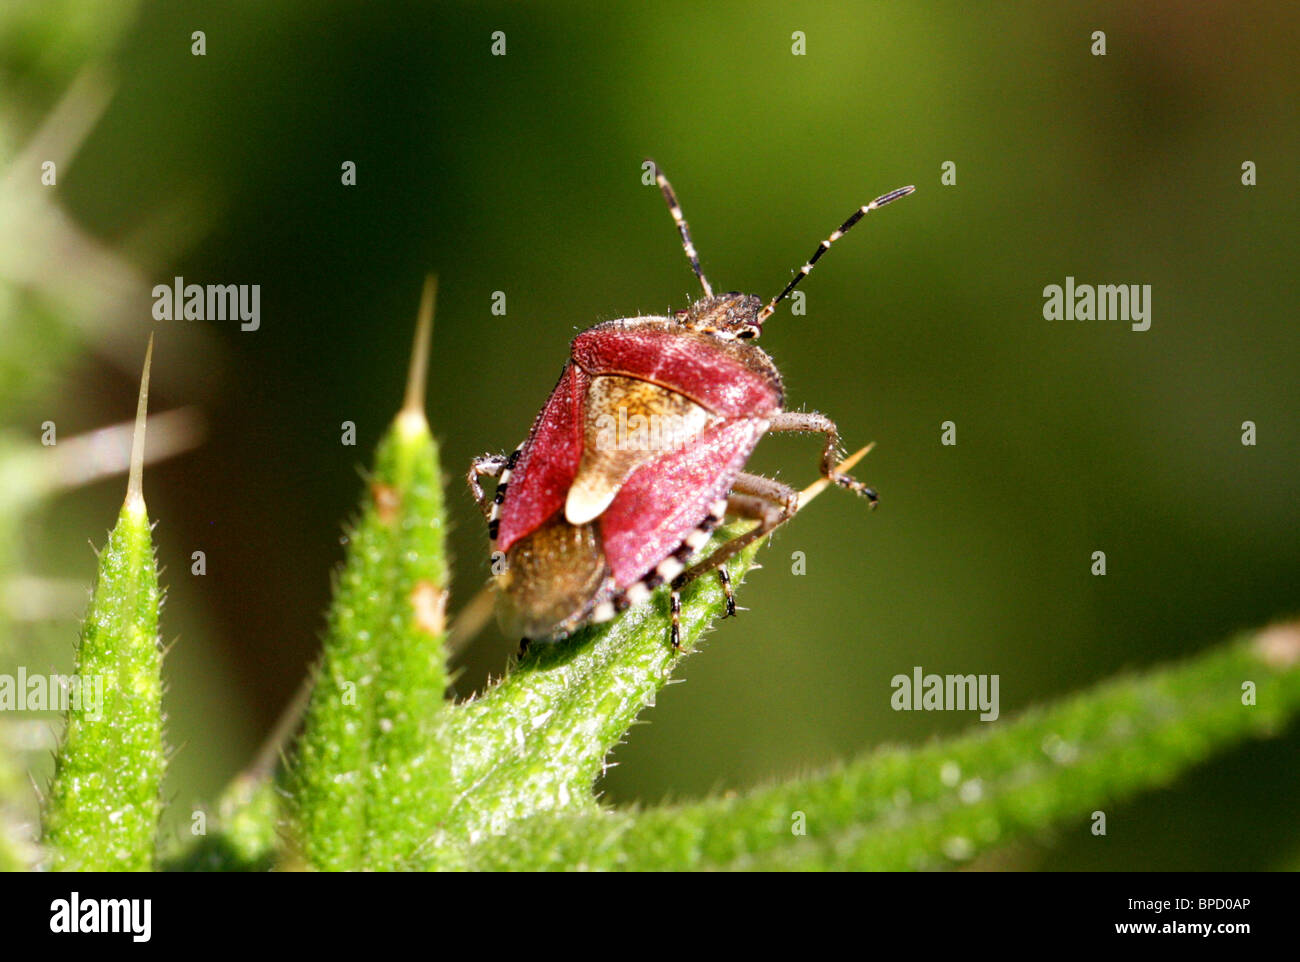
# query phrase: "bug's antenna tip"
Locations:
[[770, 308], [135, 478], [683, 229], [894, 195], [417, 379]]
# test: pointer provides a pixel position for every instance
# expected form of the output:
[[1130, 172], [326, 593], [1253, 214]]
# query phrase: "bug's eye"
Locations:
[[747, 333]]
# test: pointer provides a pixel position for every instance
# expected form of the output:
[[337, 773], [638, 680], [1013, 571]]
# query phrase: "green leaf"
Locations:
[[538, 740], [104, 800], [942, 804], [371, 775]]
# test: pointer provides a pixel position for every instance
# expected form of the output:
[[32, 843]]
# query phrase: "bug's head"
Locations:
[[728, 316]]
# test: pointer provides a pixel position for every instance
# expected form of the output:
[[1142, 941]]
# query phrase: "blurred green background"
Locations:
[[521, 174]]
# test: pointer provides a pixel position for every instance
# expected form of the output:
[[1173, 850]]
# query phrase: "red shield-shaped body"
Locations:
[[648, 426]]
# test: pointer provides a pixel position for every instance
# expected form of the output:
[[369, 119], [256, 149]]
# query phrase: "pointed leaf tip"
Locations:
[[417, 380], [135, 481]]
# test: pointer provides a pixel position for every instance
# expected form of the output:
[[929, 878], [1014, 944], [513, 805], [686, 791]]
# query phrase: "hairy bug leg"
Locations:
[[811, 422], [675, 608], [768, 502], [484, 466], [491, 466]]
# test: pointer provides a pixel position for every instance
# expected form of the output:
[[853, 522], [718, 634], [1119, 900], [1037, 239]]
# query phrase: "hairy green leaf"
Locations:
[[371, 775], [538, 739], [104, 800], [942, 804]]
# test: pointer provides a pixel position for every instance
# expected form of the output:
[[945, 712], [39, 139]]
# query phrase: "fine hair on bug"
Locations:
[[587, 527]]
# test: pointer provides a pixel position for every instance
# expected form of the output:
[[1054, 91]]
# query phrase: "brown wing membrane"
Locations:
[[553, 576]]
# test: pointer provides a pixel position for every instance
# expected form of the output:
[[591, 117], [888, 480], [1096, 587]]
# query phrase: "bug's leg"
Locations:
[[811, 421], [725, 580], [768, 502], [524, 645], [492, 466], [483, 466], [675, 607]]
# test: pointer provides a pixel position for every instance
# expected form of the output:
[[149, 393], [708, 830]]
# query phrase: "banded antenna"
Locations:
[[683, 228], [825, 245]]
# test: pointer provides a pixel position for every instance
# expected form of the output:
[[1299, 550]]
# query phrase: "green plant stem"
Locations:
[[942, 804]]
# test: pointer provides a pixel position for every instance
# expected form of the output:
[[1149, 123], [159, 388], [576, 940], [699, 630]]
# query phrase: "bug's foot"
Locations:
[[857, 487], [725, 580]]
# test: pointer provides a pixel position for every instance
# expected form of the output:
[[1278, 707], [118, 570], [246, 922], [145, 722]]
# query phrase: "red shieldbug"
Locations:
[[639, 454]]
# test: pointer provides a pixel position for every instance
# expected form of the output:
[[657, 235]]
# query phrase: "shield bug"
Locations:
[[639, 454]]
